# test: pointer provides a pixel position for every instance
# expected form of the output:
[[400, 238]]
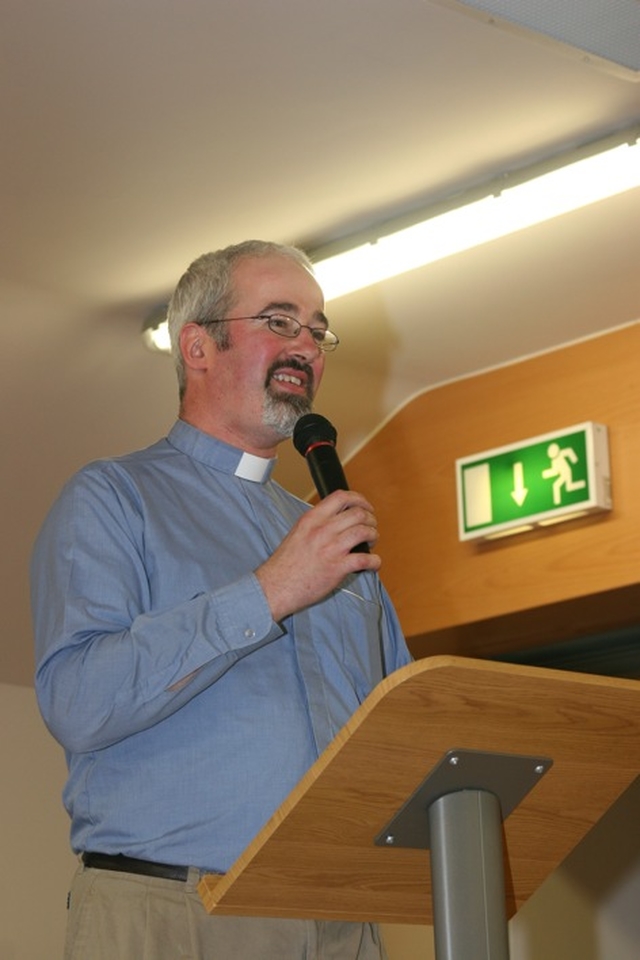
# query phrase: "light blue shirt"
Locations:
[[142, 574]]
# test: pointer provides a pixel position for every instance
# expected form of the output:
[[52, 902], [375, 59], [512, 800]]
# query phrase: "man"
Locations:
[[201, 634]]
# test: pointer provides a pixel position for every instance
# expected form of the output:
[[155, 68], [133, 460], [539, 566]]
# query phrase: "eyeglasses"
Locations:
[[288, 327]]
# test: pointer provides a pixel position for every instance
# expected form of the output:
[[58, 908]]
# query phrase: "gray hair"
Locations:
[[205, 291]]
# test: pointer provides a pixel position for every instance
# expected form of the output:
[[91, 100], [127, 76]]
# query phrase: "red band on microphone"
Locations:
[[318, 443]]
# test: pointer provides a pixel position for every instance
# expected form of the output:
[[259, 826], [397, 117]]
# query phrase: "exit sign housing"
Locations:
[[536, 482]]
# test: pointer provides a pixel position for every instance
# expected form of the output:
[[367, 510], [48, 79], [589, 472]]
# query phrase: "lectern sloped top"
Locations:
[[316, 857]]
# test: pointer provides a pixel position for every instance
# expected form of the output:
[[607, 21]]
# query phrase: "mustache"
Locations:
[[292, 364]]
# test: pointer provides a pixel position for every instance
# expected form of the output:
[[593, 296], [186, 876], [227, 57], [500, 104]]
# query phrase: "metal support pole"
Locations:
[[467, 875]]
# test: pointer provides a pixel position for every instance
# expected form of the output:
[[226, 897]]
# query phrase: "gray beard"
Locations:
[[282, 413]]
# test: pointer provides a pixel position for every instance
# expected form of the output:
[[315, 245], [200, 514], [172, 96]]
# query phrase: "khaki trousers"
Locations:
[[122, 916]]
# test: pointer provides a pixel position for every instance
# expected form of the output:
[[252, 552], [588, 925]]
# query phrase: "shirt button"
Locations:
[[249, 633]]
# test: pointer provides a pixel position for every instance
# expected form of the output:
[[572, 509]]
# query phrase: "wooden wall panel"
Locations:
[[471, 597]]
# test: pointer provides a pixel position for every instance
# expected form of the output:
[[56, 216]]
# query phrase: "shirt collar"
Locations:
[[219, 455]]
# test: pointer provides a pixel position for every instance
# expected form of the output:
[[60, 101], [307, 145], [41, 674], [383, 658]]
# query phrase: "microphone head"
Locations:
[[313, 428]]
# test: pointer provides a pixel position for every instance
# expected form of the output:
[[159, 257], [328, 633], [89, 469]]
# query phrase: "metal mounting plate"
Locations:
[[510, 777]]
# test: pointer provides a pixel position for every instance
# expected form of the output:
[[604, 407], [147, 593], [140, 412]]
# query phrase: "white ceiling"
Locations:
[[136, 134]]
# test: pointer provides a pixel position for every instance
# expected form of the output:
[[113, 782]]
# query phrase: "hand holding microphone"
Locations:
[[315, 438], [318, 552]]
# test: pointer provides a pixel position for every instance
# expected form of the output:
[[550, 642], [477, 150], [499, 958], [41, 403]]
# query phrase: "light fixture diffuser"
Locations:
[[511, 203], [508, 205]]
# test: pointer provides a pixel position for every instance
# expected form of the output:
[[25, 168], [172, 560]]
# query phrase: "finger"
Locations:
[[343, 500]]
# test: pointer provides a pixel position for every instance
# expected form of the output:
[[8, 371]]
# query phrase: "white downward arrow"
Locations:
[[519, 492]]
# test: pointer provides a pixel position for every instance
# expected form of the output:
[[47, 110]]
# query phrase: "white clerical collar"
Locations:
[[253, 468]]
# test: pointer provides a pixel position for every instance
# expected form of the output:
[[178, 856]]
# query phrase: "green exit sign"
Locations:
[[535, 482]]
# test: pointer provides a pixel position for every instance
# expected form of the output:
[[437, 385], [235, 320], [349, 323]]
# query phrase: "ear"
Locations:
[[194, 346]]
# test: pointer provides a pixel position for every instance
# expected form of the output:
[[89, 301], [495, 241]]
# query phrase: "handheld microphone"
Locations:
[[314, 437]]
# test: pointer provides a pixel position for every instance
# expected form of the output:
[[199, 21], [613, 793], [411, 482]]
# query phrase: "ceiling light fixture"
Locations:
[[155, 330], [514, 202]]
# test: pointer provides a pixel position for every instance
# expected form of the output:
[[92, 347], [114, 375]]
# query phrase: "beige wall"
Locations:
[[36, 861]]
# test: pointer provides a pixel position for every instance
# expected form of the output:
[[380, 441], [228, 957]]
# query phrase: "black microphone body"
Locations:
[[315, 438]]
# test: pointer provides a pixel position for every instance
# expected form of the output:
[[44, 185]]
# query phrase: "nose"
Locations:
[[305, 341]]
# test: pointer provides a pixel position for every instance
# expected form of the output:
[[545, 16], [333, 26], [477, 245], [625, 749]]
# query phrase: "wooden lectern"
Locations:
[[448, 798]]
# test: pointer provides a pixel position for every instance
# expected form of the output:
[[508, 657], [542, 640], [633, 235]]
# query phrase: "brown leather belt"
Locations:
[[147, 868]]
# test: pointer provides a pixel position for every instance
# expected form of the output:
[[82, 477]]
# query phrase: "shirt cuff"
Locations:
[[243, 614]]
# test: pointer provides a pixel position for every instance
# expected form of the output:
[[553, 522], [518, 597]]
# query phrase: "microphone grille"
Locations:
[[313, 428]]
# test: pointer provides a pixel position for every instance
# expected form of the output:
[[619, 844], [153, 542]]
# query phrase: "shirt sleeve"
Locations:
[[108, 665]]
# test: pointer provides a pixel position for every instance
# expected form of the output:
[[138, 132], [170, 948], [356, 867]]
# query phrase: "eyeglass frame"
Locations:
[[323, 346]]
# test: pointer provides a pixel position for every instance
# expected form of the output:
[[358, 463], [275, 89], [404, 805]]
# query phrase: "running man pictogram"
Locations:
[[561, 468]]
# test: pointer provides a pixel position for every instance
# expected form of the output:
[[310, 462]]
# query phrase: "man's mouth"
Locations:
[[296, 374], [288, 378]]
